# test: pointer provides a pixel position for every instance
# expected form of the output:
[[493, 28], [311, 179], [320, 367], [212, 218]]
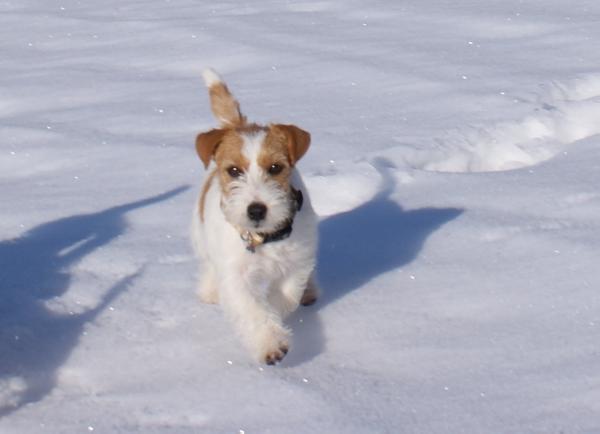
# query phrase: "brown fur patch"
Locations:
[[250, 129], [205, 189], [207, 143], [225, 107], [275, 150], [298, 140], [283, 145], [228, 154]]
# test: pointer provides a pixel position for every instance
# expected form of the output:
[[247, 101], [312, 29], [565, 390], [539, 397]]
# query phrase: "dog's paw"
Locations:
[[276, 355], [274, 345]]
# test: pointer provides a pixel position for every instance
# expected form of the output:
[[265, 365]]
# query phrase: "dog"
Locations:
[[254, 229]]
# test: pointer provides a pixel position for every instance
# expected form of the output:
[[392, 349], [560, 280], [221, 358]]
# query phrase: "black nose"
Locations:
[[257, 211]]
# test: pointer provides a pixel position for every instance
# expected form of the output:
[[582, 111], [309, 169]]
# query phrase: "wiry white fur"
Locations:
[[211, 77], [256, 290]]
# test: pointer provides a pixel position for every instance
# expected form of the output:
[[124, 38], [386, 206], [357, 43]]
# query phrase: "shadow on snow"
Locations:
[[358, 245], [34, 340]]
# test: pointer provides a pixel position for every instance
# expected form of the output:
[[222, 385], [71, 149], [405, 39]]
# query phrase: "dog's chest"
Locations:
[[270, 261]]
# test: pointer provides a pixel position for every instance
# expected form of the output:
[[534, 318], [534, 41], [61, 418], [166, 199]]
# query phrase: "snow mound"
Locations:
[[566, 114]]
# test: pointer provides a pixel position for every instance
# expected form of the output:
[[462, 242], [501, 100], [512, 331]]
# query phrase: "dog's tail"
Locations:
[[223, 104]]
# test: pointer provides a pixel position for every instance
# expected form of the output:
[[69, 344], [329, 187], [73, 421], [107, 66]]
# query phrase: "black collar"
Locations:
[[255, 239]]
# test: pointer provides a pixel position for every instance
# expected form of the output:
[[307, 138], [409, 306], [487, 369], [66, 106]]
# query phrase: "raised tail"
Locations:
[[223, 104]]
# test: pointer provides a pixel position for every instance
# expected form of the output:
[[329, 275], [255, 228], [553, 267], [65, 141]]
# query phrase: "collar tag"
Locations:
[[251, 240]]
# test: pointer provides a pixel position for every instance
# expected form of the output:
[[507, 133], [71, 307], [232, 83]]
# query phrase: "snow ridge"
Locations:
[[568, 113]]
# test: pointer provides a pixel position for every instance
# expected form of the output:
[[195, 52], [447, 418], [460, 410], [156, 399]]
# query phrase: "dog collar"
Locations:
[[255, 239]]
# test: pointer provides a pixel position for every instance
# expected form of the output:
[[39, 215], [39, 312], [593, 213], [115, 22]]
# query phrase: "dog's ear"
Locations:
[[207, 143], [298, 141]]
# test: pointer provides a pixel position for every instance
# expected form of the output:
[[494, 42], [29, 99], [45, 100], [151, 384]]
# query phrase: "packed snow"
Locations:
[[454, 166]]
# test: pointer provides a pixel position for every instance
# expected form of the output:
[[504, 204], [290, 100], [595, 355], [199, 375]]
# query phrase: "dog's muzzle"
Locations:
[[257, 211]]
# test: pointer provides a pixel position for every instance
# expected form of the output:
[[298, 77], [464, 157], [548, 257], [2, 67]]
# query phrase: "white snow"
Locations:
[[455, 166]]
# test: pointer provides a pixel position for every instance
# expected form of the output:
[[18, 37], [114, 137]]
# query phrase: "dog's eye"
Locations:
[[234, 172], [275, 169]]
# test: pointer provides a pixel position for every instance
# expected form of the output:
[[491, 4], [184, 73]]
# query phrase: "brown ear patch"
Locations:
[[207, 143], [298, 141]]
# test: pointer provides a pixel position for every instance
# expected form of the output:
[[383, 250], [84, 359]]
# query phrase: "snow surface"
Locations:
[[455, 165]]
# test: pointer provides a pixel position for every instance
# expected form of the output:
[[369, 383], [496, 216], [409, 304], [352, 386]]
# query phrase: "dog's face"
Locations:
[[254, 165]]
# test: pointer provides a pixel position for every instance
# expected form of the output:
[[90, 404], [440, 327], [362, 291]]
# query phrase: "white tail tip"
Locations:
[[211, 77]]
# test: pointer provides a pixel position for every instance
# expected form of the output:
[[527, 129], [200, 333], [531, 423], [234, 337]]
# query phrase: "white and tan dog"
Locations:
[[254, 228]]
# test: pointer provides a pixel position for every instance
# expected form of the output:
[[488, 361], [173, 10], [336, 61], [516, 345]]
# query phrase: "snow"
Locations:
[[455, 167]]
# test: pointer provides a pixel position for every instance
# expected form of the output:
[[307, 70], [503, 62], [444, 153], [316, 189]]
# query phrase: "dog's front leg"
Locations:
[[207, 285], [292, 291], [259, 325]]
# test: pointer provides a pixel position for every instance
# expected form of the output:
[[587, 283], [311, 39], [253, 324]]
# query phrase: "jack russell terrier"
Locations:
[[254, 229]]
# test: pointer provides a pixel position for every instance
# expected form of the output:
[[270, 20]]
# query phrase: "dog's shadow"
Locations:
[[35, 340], [355, 247]]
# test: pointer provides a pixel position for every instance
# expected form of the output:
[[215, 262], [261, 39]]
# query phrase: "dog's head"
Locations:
[[254, 163]]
